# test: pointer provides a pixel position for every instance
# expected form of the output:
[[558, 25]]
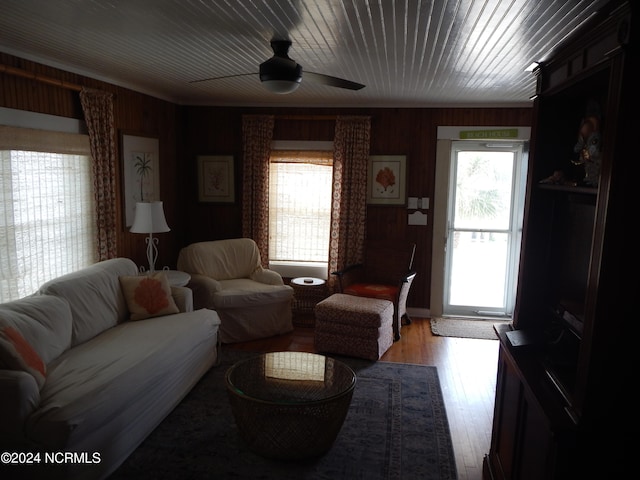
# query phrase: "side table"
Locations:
[[308, 291], [177, 278]]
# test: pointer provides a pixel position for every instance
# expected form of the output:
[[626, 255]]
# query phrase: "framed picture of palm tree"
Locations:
[[140, 172]]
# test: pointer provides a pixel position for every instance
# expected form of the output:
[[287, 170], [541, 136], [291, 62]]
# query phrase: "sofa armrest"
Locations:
[[19, 397], [270, 277], [183, 297], [203, 288]]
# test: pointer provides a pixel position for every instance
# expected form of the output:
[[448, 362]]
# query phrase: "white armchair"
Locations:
[[227, 276]]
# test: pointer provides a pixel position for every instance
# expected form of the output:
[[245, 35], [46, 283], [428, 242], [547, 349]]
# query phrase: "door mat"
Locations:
[[465, 327]]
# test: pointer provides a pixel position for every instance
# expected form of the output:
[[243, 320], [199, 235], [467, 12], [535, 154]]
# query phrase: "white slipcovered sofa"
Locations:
[[227, 276], [105, 381]]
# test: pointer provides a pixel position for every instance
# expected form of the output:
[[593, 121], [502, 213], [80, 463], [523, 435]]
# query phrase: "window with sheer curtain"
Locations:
[[47, 225], [300, 185]]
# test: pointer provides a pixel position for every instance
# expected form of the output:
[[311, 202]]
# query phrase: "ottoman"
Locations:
[[354, 326]]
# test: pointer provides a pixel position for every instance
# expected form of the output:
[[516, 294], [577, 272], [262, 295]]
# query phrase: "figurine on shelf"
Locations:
[[589, 145], [557, 178]]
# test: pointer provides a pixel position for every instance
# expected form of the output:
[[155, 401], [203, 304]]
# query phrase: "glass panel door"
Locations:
[[483, 229]]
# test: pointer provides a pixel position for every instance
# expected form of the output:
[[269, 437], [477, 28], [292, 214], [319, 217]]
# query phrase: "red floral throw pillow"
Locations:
[[148, 295], [17, 354]]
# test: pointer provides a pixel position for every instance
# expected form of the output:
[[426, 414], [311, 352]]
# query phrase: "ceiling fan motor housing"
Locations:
[[283, 69], [280, 74]]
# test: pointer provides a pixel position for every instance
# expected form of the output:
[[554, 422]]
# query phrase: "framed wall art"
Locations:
[[140, 172], [387, 179], [216, 179]]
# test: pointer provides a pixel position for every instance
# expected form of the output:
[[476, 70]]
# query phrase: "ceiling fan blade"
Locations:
[[331, 81], [220, 78], [280, 72]]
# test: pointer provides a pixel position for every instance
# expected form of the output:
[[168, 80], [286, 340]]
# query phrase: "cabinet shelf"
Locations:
[[566, 314], [568, 189]]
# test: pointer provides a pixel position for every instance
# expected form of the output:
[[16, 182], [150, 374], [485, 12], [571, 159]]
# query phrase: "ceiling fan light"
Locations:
[[280, 75], [281, 86]]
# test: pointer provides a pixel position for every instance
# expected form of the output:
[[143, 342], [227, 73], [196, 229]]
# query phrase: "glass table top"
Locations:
[[290, 378]]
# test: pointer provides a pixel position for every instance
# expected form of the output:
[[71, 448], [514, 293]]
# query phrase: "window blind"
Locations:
[[47, 225], [300, 185]]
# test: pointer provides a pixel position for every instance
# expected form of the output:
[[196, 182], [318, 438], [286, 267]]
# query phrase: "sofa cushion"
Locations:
[[123, 380], [17, 354], [94, 294], [44, 321], [371, 290], [148, 295], [245, 293]]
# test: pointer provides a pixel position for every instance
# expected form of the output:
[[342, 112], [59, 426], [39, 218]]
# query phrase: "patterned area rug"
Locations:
[[465, 328], [396, 428]]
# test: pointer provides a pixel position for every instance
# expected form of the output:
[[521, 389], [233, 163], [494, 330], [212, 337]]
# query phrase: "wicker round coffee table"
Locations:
[[290, 405]]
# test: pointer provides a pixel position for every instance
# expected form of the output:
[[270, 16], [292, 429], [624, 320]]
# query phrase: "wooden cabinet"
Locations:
[[562, 397], [532, 438]]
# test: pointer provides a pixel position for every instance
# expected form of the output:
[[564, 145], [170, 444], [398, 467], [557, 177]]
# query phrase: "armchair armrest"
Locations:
[[347, 269], [408, 277], [203, 288], [264, 275], [347, 275]]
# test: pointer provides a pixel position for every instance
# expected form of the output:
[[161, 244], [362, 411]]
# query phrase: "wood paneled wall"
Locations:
[[186, 132], [410, 132], [134, 113]]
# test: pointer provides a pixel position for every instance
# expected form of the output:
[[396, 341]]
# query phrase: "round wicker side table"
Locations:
[[290, 405], [307, 292]]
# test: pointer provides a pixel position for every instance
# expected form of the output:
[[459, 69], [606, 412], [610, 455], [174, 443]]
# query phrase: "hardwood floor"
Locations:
[[467, 370]]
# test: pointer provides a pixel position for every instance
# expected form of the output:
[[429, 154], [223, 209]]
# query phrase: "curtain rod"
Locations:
[[316, 117], [40, 78], [306, 117], [73, 86]]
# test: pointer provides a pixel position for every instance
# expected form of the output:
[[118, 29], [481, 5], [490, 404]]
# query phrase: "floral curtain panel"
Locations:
[[98, 112], [349, 209], [257, 133]]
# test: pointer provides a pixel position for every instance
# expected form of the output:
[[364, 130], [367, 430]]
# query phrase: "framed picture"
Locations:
[[216, 179], [386, 179], [140, 172]]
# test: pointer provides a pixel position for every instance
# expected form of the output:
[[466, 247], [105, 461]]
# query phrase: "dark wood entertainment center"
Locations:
[[563, 402]]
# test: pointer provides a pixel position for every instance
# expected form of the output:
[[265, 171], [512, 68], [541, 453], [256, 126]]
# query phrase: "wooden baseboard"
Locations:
[[419, 312]]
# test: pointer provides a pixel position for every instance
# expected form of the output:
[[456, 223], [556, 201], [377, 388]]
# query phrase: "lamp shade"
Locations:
[[149, 218]]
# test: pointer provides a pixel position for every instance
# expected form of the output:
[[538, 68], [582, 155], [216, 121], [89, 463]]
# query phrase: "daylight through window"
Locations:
[[47, 225], [300, 206]]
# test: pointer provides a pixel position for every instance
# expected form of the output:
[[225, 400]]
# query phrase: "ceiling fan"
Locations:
[[281, 74]]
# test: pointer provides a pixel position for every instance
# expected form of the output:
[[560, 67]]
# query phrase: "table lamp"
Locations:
[[149, 218]]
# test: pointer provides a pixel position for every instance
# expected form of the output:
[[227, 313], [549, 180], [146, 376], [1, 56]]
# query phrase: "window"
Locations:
[[300, 183], [47, 225]]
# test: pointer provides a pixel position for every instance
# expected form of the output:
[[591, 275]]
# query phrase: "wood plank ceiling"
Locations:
[[408, 53]]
